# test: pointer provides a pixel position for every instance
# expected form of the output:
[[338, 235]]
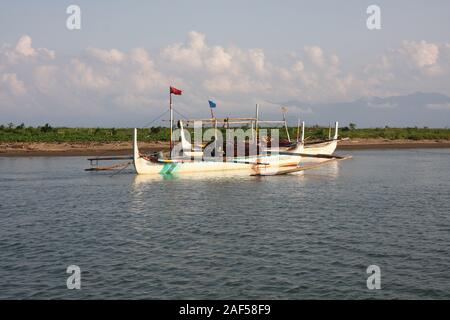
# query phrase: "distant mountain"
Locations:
[[415, 109]]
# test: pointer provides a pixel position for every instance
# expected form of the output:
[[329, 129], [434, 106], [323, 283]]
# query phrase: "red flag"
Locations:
[[175, 91]]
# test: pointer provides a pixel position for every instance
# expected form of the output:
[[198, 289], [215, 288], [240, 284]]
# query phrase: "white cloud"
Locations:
[[413, 56], [83, 76], [118, 75], [423, 54], [257, 58], [46, 78], [219, 60], [141, 57], [298, 67], [227, 85], [23, 47], [187, 55], [110, 79], [15, 86], [106, 56], [315, 55], [228, 70], [24, 50], [412, 66]]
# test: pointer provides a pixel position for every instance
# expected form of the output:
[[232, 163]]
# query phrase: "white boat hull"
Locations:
[[269, 163]]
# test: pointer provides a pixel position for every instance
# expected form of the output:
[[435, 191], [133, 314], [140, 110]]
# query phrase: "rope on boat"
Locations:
[[119, 171], [156, 119], [179, 113]]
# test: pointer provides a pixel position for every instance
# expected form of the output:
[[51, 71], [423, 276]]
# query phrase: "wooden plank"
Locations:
[[307, 155], [111, 158], [298, 169], [104, 168]]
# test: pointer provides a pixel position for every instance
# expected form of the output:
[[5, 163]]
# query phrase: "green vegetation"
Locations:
[[47, 133]]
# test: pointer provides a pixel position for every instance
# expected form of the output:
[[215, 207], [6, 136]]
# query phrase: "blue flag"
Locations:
[[212, 104]]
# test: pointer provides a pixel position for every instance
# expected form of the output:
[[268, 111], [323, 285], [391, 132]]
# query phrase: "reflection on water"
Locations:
[[143, 179], [330, 169], [310, 235]]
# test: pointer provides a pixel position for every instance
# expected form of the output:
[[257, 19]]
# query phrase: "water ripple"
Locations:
[[290, 237]]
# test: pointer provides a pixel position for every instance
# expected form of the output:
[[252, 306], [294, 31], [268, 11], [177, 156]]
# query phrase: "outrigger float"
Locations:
[[286, 158]]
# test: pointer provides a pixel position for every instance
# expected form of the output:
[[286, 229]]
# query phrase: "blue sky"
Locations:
[[248, 51], [275, 26]]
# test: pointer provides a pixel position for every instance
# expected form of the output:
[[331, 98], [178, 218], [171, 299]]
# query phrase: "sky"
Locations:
[[116, 70]]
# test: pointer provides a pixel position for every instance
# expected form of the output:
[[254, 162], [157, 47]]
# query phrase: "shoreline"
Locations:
[[44, 149]]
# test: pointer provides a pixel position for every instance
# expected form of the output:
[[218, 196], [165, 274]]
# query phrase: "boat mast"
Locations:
[[256, 122], [253, 132], [171, 121], [215, 137]]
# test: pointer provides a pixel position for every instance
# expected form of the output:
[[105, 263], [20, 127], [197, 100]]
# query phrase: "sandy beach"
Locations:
[[29, 149]]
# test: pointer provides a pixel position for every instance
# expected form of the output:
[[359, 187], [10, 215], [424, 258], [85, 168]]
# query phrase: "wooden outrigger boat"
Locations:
[[270, 162], [192, 163], [266, 161], [323, 147]]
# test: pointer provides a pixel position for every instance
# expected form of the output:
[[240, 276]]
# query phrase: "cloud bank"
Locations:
[[110, 86]]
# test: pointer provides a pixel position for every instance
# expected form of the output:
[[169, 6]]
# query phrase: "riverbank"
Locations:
[[57, 149], [32, 149]]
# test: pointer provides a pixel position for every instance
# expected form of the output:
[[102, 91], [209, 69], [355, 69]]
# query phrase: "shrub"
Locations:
[[46, 128]]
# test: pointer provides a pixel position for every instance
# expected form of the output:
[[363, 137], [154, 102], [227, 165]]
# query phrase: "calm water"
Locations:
[[287, 237]]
